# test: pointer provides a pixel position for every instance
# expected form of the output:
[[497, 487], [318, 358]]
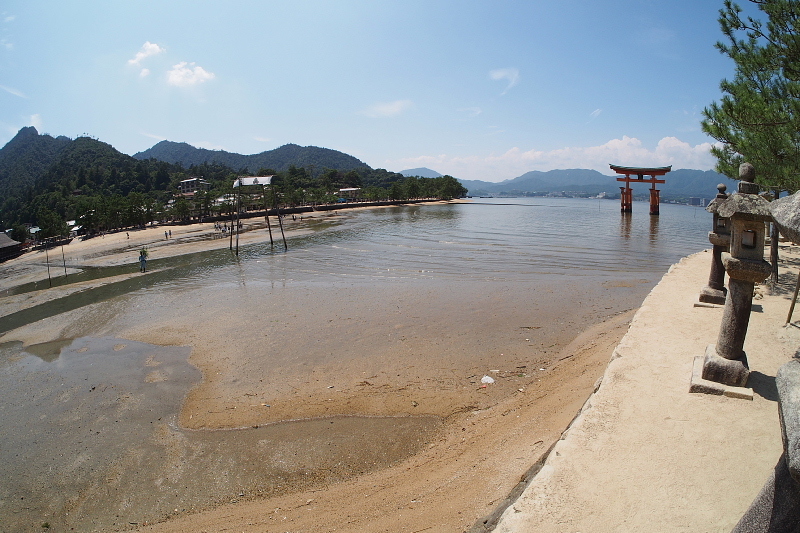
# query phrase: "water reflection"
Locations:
[[625, 225], [654, 229]]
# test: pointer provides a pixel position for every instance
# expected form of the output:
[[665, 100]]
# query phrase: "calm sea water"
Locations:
[[422, 297], [499, 238], [485, 240]]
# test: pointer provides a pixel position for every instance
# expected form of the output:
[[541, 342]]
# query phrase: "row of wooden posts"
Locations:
[[262, 181]]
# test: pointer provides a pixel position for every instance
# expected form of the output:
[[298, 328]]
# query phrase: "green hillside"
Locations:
[[279, 159], [45, 181]]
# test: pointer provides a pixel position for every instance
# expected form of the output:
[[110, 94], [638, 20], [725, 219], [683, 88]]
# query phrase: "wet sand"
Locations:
[[374, 352], [105, 428]]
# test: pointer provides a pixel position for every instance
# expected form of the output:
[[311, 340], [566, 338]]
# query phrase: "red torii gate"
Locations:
[[626, 193]]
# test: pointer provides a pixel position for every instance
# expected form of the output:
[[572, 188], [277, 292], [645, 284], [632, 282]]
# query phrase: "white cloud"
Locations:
[[154, 136], [13, 91], [596, 113], [185, 74], [262, 139], [388, 109], [5, 43], [145, 72], [510, 74], [36, 121], [9, 18], [471, 111], [148, 49], [627, 151]]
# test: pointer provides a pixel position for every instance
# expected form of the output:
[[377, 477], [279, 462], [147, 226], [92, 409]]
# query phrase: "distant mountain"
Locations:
[[700, 183], [683, 183], [421, 172], [41, 175], [26, 157], [279, 159]]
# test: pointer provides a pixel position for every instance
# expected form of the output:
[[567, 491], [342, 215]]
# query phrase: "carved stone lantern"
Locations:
[[726, 362], [720, 238]]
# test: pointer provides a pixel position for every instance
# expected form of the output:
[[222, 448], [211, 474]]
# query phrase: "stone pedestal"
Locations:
[[732, 372], [715, 292], [739, 303], [726, 361], [720, 238]]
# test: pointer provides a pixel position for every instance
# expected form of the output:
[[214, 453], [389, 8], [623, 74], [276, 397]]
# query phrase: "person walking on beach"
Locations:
[[143, 260]]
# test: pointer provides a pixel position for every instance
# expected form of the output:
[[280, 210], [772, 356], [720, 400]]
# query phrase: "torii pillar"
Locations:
[[626, 193]]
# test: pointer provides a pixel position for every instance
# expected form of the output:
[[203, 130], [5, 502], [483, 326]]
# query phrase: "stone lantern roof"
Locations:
[[714, 204], [786, 213], [746, 204], [743, 206]]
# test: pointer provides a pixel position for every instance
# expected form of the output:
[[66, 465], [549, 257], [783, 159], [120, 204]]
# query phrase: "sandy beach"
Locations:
[[472, 443]]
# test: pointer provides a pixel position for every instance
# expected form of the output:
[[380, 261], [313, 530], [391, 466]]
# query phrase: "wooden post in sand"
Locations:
[[238, 208], [47, 259], [63, 259], [230, 233], [280, 222], [266, 214], [794, 301], [248, 181]]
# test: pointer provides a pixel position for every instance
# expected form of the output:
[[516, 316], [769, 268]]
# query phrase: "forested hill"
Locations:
[[279, 159], [41, 175], [26, 157], [46, 181]]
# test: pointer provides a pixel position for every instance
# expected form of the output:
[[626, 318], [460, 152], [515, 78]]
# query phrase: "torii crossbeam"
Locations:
[[639, 173]]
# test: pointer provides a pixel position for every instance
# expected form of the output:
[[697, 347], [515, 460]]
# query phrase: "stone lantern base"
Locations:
[[710, 295], [732, 372]]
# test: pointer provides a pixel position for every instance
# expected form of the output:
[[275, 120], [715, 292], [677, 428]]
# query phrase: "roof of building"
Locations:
[[650, 171], [253, 180], [6, 241]]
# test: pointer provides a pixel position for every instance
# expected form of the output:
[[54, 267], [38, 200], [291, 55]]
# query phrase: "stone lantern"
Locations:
[[726, 362], [720, 238], [786, 215]]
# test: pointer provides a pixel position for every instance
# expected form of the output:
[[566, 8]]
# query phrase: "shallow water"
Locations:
[[90, 440], [489, 240], [420, 297]]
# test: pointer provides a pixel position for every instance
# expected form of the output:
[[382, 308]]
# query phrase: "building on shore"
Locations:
[[190, 187], [9, 248]]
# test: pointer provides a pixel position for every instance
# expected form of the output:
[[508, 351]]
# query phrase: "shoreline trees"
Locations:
[[758, 117], [103, 190]]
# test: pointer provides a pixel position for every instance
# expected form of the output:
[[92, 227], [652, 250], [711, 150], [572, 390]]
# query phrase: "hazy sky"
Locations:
[[477, 89]]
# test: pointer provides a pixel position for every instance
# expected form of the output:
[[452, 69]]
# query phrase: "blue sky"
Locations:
[[476, 89]]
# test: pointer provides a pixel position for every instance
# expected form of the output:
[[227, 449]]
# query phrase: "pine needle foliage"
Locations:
[[758, 117]]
